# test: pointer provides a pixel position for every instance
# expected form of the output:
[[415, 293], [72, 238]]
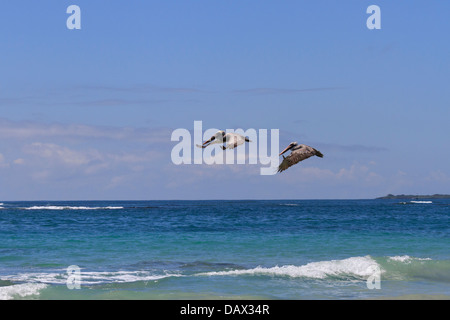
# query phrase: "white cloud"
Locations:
[[19, 161], [53, 152], [86, 148], [81, 157], [3, 163], [34, 130], [438, 176], [357, 173]]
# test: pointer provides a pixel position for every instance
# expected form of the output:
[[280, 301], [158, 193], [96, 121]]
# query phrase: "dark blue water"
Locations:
[[290, 249]]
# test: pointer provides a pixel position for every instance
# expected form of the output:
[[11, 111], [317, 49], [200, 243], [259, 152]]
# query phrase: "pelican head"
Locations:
[[289, 147]]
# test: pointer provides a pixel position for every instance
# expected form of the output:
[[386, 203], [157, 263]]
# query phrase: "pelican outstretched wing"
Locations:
[[233, 140], [298, 155]]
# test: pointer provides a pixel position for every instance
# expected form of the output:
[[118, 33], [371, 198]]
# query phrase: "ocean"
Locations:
[[224, 249]]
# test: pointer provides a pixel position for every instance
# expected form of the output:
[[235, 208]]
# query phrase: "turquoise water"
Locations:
[[277, 249]]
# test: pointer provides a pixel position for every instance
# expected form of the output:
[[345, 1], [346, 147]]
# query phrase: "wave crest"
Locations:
[[21, 290], [354, 267]]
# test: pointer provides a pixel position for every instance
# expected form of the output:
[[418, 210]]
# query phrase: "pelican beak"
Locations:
[[209, 140], [288, 148]]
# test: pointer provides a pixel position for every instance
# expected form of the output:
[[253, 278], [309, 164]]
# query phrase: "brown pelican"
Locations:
[[299, 152], [231, 140]]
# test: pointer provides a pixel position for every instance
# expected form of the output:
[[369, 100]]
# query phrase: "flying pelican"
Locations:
[[299, 152], [231, 140]]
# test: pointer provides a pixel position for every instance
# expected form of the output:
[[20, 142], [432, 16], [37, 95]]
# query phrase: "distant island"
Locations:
[[410, 196]]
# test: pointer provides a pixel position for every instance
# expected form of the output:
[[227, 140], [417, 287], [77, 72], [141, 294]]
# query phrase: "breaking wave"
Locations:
[[23, 290], [354, 268], [88, 278], [27, 285]]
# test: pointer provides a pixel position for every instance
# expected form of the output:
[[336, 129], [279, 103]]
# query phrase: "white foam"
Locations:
[[21, 290], [88, 278], [355, 266], [414, 201], [121, 277], [70, 208], [407, 259], [38, 278]]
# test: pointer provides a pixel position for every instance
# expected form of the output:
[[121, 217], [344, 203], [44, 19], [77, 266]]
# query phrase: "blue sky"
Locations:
[[88, 114]]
